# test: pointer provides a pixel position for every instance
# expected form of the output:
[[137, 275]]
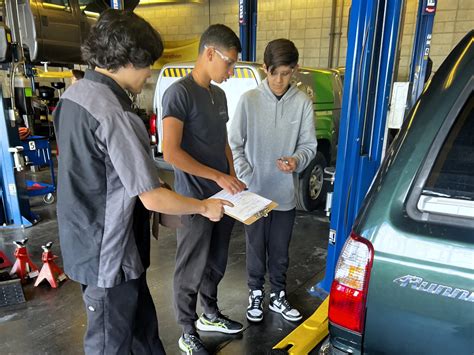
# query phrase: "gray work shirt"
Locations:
[[204, 115], [104, 164]]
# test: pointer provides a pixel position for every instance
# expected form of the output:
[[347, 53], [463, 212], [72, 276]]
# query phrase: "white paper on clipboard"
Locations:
[[246, 204]]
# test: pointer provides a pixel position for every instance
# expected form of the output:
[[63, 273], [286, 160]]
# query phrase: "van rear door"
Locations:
[[168, 75], [246, 77]]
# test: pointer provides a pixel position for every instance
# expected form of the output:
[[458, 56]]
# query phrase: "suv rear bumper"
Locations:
[[343, 341]]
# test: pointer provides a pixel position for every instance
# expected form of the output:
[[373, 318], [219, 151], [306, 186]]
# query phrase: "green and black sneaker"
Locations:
[[191, 344], [219, 323]]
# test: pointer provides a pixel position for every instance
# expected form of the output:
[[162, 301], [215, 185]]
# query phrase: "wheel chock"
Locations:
[[308, 334]]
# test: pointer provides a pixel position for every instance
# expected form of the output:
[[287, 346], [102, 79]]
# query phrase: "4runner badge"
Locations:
[[418, 284]]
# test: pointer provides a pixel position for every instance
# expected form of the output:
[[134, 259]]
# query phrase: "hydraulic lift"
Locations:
[[248, 29], [14, 207], [15, 107], [421, 49], [373, 38]]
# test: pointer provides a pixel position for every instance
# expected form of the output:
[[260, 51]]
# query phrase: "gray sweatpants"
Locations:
[[201, 260], [121, 320]]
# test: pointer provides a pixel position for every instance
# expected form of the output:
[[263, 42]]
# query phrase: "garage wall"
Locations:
[[186, 21], [307, 23]]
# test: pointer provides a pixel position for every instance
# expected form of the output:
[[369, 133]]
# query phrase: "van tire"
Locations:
[[310, 187]]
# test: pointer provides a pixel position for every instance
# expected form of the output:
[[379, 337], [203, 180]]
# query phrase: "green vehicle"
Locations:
[[405, 278], [324, 86]]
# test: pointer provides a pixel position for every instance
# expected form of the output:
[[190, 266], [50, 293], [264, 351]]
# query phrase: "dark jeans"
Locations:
[[268, 241], [201, 260], [121, 319]]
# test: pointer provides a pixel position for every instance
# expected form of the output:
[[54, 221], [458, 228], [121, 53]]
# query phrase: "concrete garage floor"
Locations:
[[52, 321]]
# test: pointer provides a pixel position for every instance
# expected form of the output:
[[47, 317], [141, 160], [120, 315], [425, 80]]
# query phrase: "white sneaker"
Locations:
[[255, 308], [279, 304]]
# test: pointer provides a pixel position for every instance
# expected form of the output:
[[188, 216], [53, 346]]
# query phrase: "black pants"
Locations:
[[201, 260], [121, 319], [268, 241]]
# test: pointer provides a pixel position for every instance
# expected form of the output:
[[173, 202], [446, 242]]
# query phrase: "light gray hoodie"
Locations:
[[264, 129]]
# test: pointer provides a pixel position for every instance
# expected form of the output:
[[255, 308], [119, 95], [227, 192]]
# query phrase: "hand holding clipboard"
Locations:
[[248, 206]]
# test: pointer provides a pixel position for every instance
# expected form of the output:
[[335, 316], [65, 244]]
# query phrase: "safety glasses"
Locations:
[[230, 62]]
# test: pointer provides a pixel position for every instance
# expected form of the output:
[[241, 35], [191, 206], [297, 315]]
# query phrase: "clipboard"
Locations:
[[257, 215], [249, 206]]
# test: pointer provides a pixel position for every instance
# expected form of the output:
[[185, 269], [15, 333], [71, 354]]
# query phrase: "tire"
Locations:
[[310, 187], [48, 199]]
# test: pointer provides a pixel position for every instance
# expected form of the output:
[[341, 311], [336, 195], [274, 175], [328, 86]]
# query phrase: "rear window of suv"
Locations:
[[449, 188]]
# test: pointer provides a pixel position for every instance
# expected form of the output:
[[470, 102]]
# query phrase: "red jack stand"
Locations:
[[50, 271], [4, 261], [24, 267]]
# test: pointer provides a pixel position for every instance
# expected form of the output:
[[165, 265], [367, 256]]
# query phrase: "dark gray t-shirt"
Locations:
[[204, 115]]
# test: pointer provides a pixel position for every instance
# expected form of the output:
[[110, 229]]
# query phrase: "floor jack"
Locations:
[[23, 267], [50, 271]]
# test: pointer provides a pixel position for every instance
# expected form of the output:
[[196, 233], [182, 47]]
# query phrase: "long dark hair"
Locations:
[[120, 38]]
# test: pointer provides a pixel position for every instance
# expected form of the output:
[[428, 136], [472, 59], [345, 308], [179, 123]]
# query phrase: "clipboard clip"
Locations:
[[263, 213]]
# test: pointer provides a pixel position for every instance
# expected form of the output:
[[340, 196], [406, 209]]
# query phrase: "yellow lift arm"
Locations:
[[309, 334]]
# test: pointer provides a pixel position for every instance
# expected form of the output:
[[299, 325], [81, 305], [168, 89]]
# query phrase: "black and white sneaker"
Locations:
[[279, 304], [191, 344], [255, 308], [219, 323]]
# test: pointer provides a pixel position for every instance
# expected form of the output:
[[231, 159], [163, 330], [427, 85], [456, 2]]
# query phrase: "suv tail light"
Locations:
[[351, 282]]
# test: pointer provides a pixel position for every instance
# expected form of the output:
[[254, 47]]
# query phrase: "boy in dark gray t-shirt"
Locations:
[[195, 143], [203, 113]]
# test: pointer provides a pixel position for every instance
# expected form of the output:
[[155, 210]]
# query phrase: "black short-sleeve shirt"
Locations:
[[204, 115]]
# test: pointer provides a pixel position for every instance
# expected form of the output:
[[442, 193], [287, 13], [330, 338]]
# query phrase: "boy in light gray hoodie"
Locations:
[[272, 136]]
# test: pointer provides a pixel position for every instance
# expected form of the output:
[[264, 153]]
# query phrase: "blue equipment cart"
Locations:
[[37, 152]]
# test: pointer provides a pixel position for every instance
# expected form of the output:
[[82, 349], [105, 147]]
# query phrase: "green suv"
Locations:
[[324, 87], [404, 281]]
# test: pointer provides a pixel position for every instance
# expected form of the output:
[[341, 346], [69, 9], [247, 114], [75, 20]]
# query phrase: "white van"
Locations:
[[247, 76], [322, 85]]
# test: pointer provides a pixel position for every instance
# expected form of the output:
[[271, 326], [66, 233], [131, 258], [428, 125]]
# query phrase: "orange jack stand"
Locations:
[[23, 267], [4, 261], [50, 271]]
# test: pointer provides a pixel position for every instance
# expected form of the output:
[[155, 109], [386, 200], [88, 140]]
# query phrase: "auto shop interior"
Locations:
[[381, 258]]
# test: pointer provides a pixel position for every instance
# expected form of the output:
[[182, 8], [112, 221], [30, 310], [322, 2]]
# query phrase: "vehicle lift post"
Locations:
[[14, 196], [374, 29], [116, 4], [248, 29], [373, 40], [421, 49], [13, 192]]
